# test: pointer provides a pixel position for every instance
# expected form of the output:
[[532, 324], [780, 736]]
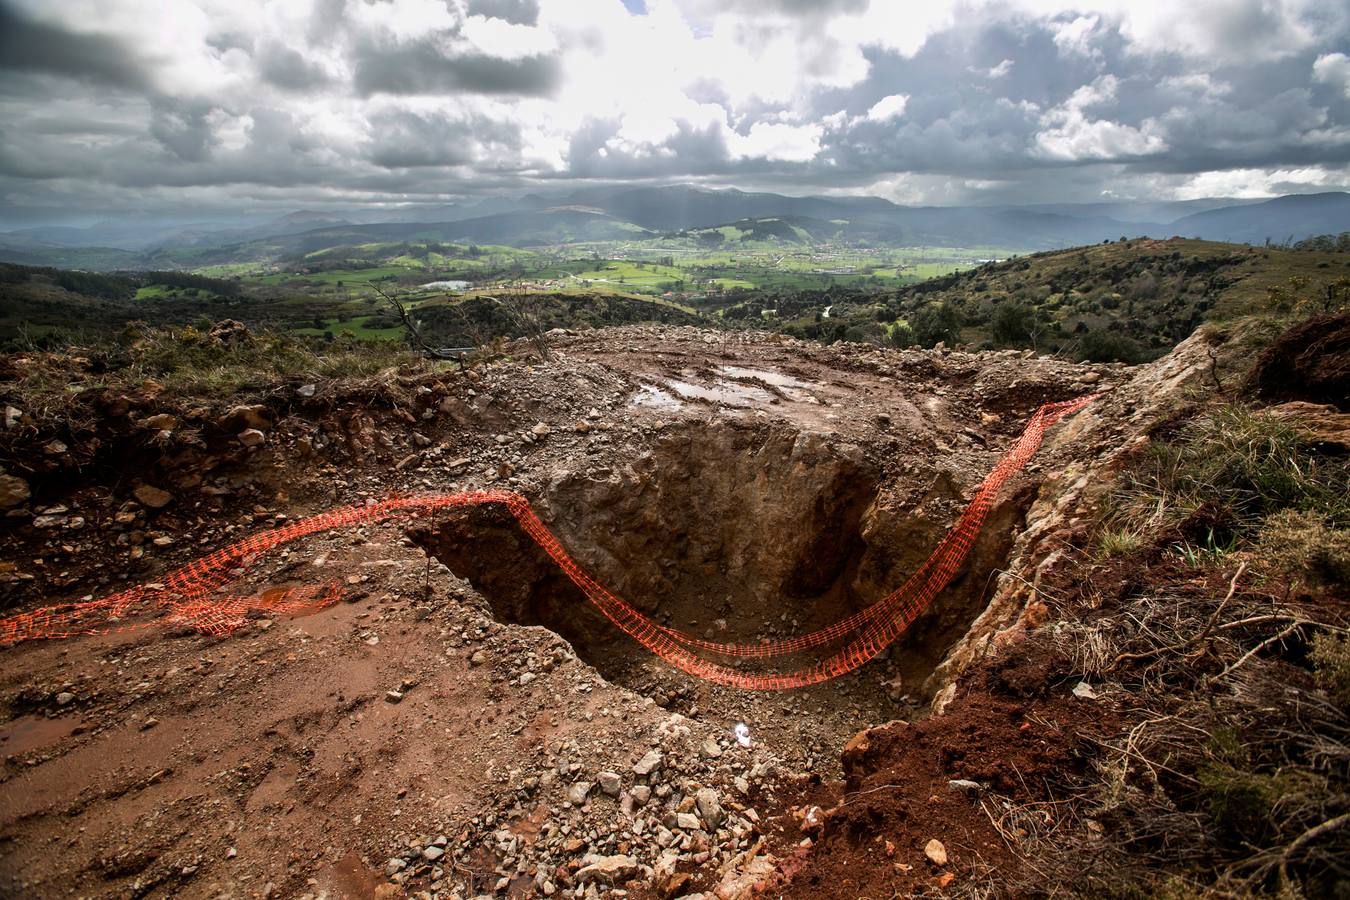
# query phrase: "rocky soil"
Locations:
[[460, 725]]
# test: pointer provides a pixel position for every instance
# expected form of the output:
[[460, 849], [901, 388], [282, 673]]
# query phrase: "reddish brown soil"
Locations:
[[898, 794]]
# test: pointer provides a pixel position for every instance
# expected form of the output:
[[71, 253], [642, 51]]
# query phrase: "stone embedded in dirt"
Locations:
[[641, 794], [648, 764], [610, 783], [478, 658], [251, 437], [964, 785], [748, 883], [936, 852], [608, 869], [306, 390], [12, 417], [578, 791], [710, 749], [65, 698], [161, 422], [151, 496], [1083, 691], [687, 821], [240, 418], [665, 879], [13, 491], [433, 853], [710, 808], [393, 696], [55, 448], [540, 430]]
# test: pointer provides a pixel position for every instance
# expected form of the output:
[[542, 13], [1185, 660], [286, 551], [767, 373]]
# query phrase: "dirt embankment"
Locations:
[[464, 722]]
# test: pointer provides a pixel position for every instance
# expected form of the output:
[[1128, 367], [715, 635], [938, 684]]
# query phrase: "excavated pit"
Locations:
[[734, 532]]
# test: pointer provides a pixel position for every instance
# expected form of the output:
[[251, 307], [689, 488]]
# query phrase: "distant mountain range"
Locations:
[[656, 213]]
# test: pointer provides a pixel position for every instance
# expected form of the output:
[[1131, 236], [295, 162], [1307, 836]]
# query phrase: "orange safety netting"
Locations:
[[189, 596]]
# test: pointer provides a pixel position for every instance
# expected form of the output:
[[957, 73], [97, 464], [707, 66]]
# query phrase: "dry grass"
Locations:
[[1231, 774]]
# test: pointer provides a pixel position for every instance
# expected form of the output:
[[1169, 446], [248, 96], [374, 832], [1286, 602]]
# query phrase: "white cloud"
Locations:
[[892, 107], [1333, 69], [1257, 183], [1070, 135], [777, 141], [1076, 35]]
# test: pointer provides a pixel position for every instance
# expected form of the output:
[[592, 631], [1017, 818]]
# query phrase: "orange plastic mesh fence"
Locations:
[[189, 596]]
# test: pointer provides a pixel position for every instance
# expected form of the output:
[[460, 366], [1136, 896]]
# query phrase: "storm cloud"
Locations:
[[27, 45], [131, 103]]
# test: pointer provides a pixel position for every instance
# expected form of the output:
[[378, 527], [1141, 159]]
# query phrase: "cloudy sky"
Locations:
[[258, 105]]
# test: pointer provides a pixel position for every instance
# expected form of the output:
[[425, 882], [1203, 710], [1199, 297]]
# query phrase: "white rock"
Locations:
[[1083, 691], [578, 791], [610, 783], [608, 869], [649, 763], [710, 808]]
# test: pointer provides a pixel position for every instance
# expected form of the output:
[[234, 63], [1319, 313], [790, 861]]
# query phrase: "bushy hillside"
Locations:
[[1126, 300]]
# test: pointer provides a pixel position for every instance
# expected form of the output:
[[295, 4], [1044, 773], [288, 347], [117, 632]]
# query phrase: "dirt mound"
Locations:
[[1310, 361]]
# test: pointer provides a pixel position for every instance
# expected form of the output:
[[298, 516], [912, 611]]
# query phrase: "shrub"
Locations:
[[934, 323], [1331, 666], [1012, 324], [1108, 346], [1305, 544]]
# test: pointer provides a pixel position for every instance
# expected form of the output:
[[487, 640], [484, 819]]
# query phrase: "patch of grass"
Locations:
[[189, 362], [1224, 473], [1118, 542]]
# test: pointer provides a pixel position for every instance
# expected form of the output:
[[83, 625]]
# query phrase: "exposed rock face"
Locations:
[[230, 332], [1099, 438]]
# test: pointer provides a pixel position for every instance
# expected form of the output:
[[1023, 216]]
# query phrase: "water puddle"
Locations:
[[728, 394], [792, 388], [672, 394], [652, 397]]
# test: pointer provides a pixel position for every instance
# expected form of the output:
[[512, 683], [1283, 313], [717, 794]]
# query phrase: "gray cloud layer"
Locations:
[[351, 104]]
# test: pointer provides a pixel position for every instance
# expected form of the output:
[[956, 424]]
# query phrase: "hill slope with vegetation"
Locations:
[[1125, 301]]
